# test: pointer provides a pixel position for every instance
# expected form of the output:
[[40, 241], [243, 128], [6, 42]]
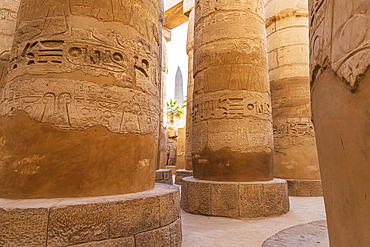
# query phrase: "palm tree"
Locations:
[[174, 110]]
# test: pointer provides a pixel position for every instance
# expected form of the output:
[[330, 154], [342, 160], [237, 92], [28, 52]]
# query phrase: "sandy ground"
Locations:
[[219, 231]]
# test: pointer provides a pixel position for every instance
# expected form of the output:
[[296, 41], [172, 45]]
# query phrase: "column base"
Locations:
[[172, 168], [182, 173], [137, 219], [309, 234], [163, 176], [304, 188], [235, 199]]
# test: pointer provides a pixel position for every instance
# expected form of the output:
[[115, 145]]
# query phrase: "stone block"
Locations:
[[292, 22], [169, 209], [199, 197], [74, 224], [250, 200], [184, 196], [134, 216], [224, 199], [272, 60], [275, 197], [23, 227], [176, 233], [287, 37], [119, 242], [287, 55], [157, 238], [289, 71]]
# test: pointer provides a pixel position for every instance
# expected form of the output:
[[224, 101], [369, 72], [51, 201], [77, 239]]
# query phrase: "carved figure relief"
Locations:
[[349, 54]]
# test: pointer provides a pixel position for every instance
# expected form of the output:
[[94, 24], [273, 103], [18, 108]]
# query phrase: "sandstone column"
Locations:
[[232, 129], [340, 91], [288, 61], [79, 118], [8, 19], [188, 171]]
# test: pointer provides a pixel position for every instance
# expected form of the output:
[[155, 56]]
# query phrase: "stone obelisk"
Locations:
[[294, 136], [232, 148], [8, 21], [340, 96], [179, 95], [79, 119], [188, 171]]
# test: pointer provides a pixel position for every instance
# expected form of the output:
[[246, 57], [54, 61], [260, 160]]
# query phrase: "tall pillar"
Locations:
[[295, 154], [179, 96], [8, 20], [340, 96], [79, 118], [232, 147], [188, 171]]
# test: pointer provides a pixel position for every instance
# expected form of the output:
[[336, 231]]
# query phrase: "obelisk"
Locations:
[[340, 96], [79, 125], [295, 156], [179, 95], [232, 148]]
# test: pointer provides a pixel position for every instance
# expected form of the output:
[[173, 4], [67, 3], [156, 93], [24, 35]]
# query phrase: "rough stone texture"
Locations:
[[120, 242], [232, 104], [8, 20], [22, 227], [313, 234], [94, 221], [295, 153], [180, 160], [182, 174], [235, 199], [164, 176], [81, 99], [304, 187], [190, 90], [157, 238], [340, 90]]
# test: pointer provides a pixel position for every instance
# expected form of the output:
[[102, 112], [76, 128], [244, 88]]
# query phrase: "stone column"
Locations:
[[288, 61], [79, 118], [340, 96], [188, 171], [232, 147], [8, 20]]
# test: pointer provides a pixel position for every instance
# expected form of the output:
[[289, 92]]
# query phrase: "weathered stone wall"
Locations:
[[190, 89], [288, 59], [180, 151], [232, 105], [8, 20], [80, 108], [340, 90]]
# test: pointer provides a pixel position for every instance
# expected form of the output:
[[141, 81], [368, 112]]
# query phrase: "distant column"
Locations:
[[232, 129], [295, 157], [340, 91], [8, 20]]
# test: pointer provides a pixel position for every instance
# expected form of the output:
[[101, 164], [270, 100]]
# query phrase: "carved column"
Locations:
[[340, 91], [79, 117], [288, 61], [232, 129], [188, 171], [8, 20]]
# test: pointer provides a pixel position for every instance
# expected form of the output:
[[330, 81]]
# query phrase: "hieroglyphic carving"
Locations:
[[293, 132], [72, 104], [331, 25], [92, 52], [232, 104], [242, 135]]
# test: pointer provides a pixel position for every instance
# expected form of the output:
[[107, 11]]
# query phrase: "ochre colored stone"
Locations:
[[158, 237], [80, 108], [182, 174], [340, 92]]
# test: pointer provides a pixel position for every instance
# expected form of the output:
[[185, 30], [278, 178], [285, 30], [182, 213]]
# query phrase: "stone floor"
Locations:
[[218, 231]]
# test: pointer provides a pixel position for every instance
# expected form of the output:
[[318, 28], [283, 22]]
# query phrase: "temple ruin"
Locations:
[[272, 150]]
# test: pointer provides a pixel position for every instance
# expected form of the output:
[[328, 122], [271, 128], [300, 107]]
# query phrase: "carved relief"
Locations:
[[242, 135], [232, 104], [293, 132], [92, 52], [349, 54], [77, 105]]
